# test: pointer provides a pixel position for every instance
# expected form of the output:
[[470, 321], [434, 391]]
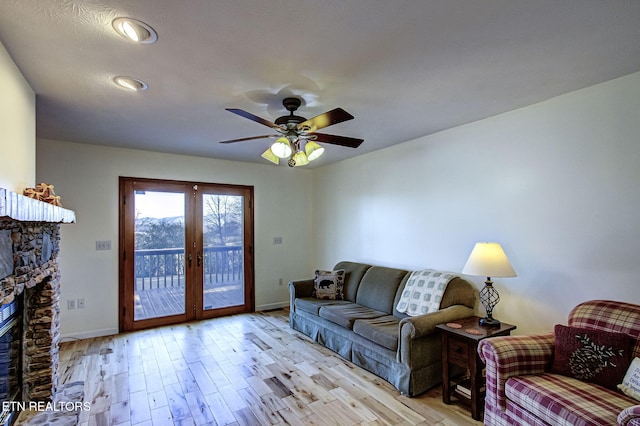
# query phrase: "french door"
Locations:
[[186, 251]]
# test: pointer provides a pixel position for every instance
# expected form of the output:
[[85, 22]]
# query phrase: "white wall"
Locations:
[[86, 177], [557, 183], [17, 127]]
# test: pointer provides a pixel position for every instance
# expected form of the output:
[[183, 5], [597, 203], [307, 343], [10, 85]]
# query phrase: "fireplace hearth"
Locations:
[[29, 298]]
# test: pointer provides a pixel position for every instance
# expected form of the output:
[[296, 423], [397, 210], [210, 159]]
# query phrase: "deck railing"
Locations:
[[161, 268]]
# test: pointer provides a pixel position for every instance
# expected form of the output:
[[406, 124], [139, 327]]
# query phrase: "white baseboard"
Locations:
[[112, 331], [272, 306], [88, 334]]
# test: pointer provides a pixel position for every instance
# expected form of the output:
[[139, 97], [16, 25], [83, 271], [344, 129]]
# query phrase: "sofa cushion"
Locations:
[[328, 284], [595, 356], [382, 330], [353, 275], [378, 288], [560, 400], [313, 305], [345, 314]]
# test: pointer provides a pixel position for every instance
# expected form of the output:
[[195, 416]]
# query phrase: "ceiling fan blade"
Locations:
[[252, 117], [329, 118], [249, 138], [338, 140]]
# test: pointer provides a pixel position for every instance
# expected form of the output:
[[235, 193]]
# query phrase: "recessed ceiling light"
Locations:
[[130, 83], [134, 30]]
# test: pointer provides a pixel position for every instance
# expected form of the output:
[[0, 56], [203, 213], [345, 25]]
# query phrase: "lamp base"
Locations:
[[489, 322]]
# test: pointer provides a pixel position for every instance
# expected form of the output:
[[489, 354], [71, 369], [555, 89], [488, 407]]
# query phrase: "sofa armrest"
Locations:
[[299, 288], [508, 356], [421, 326], [629, 416]]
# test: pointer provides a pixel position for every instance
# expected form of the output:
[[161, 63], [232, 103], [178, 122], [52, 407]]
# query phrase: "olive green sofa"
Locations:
[[367, 330]]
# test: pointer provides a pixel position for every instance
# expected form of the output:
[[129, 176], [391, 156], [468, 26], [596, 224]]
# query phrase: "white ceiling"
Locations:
[[404, 69]]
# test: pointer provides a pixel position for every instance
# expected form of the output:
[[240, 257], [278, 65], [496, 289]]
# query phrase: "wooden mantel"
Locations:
[[18, 207]]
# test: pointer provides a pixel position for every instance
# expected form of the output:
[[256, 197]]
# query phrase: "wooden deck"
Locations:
[[165, 301]]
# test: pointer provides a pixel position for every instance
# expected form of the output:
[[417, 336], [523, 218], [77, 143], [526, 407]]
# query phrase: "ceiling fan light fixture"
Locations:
[[130, 83], [300, 159], [296, 135], [269, 155], [134, 30], [281, 148], [313, 150]]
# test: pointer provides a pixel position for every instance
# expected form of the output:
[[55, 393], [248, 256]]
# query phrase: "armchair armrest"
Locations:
[[299, 288], [629, 416], [512, 356], [420, 326]]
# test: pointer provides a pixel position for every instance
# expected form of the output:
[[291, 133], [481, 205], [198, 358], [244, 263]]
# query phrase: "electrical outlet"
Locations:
[[277, 240], [71, 304], [103, 245], [80, 304]]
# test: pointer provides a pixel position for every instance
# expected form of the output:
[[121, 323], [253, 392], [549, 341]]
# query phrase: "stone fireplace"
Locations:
[[30, 276]]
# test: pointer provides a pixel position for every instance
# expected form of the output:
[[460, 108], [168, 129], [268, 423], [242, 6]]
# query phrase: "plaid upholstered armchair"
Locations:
[[526, 384]]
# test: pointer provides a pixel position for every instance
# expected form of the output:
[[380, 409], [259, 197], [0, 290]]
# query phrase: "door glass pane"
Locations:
[[223, 280], [159, 267]]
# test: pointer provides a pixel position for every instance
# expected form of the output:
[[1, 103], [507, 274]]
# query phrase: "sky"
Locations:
[[159, 204]]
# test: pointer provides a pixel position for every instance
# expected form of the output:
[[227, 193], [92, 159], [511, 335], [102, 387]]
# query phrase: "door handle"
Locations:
[[199, 257], [190, 257]]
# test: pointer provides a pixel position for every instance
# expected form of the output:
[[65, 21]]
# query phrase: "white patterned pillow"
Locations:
[[329, 285], [631, 383]]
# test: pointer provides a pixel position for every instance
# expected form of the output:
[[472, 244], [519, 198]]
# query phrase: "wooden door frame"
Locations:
[[126, 243]]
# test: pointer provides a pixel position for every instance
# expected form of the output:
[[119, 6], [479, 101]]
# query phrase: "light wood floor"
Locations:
[[241, 370]]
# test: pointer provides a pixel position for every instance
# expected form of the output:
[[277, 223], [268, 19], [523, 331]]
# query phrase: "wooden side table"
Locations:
[[460, 347]]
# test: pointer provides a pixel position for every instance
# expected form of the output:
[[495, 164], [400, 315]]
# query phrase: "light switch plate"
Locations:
[[103, 245]]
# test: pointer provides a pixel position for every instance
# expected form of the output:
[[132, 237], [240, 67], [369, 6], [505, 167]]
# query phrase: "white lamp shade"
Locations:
[[281, 147], [488, 260]]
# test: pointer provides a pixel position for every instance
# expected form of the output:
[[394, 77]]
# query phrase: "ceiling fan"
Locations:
[[294, 133]]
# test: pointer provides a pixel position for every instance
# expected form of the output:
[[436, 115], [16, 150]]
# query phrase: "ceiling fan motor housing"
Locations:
[[289, 119], [291, 104]]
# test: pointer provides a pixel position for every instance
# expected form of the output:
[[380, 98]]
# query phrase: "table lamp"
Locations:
[[488, 260]]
